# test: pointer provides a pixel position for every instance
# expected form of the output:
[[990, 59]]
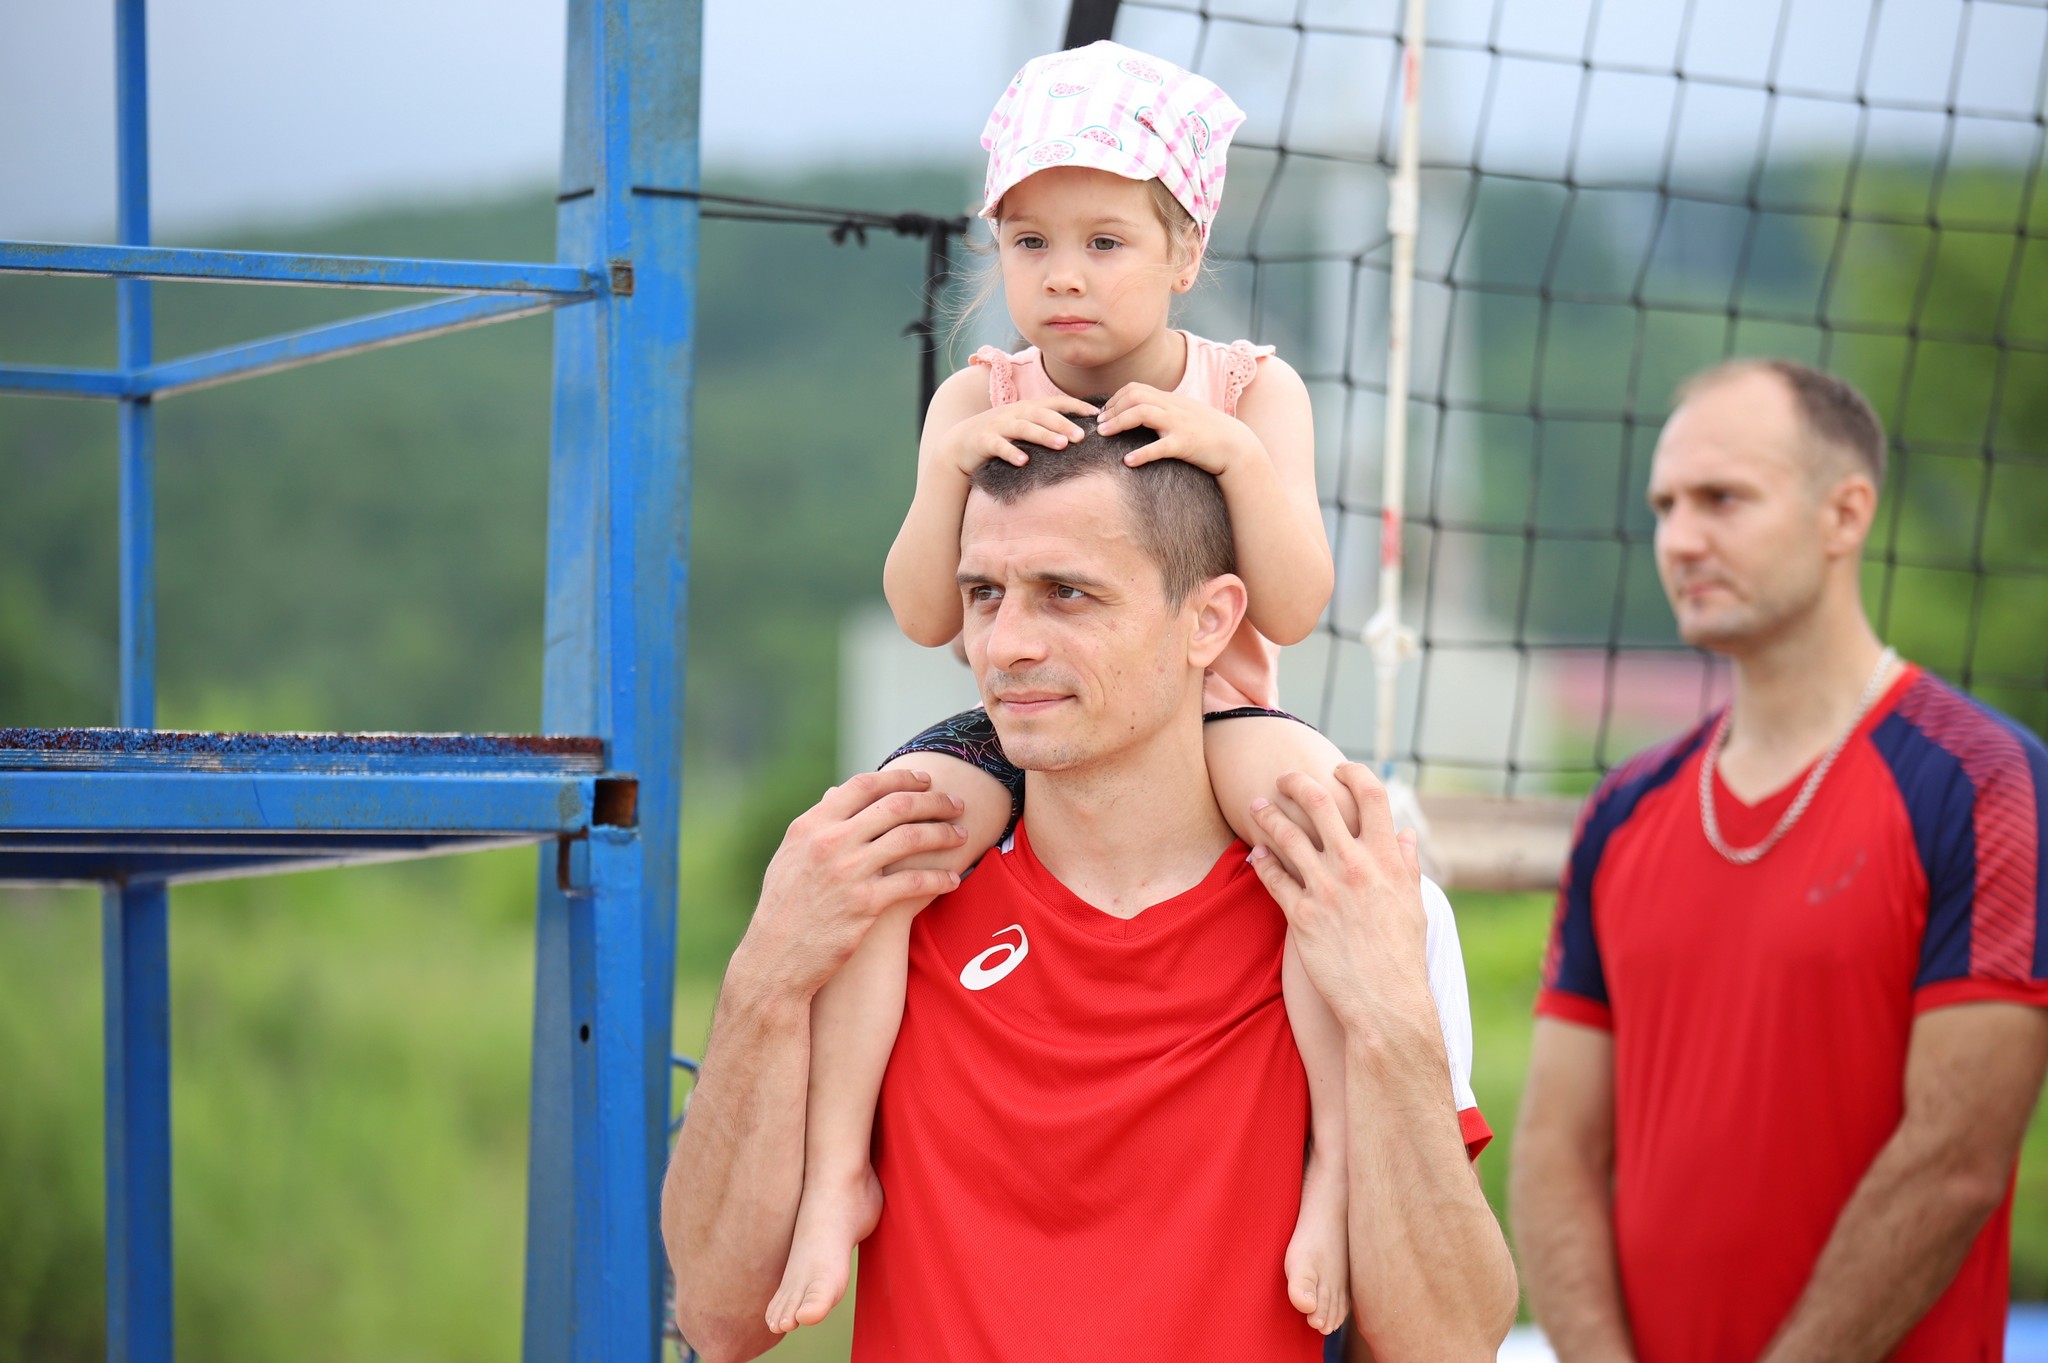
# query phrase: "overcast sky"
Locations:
[[285, 109], [278, 108]]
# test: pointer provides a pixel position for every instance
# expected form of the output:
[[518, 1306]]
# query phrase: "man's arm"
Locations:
[[1431, 1278], [1561, 1192], [1972, 1074], [728, 1206]]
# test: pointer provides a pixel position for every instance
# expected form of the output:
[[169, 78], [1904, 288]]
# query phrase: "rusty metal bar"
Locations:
[[217, 751]]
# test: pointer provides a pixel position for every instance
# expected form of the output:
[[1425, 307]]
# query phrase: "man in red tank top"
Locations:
[[1090, 1139]]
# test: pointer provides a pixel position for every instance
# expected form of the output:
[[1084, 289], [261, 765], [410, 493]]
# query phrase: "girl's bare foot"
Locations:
[[829, 1223], [1318, 1254]]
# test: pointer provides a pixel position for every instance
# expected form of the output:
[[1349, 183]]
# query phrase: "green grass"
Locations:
[[1502, 937], [349, 1107]]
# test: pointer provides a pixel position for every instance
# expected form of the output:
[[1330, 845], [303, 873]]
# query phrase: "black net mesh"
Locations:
[[1614, 195]]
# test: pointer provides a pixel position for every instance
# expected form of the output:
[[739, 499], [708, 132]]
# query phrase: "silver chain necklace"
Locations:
[[1744, 856]]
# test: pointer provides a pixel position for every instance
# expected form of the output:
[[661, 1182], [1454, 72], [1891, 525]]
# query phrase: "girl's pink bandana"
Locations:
[[1115, 109]]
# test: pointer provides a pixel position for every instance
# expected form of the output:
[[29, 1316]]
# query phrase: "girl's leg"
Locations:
[[1246, 758], [1318, 1262], [1248, 755], [853, 1028]]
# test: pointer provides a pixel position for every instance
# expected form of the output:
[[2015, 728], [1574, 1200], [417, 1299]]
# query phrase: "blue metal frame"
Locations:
[[155, 802], [134, 808], [328, 342], [138, 260]]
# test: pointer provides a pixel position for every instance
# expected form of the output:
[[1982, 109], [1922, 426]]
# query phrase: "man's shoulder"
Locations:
[[1968, 729], [1621, 792], [1948, 751], [993, 874]]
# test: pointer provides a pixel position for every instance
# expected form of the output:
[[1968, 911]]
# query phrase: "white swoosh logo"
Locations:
[[996, 962]]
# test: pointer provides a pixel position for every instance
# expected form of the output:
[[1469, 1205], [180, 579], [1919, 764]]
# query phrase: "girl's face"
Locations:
[[1088, 269]]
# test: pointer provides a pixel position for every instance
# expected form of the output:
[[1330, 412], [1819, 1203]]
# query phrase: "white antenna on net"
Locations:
[[1391, 641]]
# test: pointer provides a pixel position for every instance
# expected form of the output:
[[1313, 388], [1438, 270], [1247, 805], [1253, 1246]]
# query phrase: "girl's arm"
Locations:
[[961, 431], [918, 577], [1265, 460], [1283, 554]]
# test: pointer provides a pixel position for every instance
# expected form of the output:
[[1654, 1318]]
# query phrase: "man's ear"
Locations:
[[1218, 606], [1847, 511]]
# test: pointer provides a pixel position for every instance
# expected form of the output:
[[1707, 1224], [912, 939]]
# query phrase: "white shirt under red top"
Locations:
[[1090, 1136], [1761, 1014]]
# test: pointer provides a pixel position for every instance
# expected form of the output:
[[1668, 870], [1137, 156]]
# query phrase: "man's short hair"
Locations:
[[1833, 413], [1176, 509]]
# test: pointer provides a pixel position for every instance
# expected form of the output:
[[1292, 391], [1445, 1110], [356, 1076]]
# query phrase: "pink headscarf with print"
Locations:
[[1115, 109]]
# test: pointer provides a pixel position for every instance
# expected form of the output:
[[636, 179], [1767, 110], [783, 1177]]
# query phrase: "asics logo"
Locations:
[[998, 961]]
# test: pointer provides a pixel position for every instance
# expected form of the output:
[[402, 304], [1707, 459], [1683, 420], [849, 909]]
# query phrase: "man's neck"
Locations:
[[1133, 835], [1795, 695]]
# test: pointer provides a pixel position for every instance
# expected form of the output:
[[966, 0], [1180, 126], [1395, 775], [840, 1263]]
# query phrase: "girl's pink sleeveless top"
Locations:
[[1247, 672]]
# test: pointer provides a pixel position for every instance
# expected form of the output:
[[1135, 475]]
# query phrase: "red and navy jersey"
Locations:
[[1091, 1132], [1761, 1014]]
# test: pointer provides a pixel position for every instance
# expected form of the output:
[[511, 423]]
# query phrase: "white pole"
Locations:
[[1392, 641]]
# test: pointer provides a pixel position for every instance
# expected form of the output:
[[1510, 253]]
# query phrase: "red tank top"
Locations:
[[1090, 1136]]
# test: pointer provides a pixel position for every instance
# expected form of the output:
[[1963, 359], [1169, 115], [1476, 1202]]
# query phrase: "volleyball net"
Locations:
[[1607, 197]]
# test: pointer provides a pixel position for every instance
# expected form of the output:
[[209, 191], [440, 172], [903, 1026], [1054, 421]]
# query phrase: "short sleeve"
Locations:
[[1002, 374], [1574, 979], [1446, 962], [1973, 783], [1240, 367]]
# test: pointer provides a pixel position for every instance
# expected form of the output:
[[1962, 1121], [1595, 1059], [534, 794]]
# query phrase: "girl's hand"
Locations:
[[1036, 421], [1191, 431]]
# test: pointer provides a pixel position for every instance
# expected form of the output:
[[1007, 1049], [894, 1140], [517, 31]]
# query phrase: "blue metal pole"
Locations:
[[618, 524], [134, 918], [572, 702], [138, 425], [134, 942], [614, 1317], [652, 396]]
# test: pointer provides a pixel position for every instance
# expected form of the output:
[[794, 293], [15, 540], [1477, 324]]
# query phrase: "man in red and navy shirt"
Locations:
[[1091, 1134], [1794, 1013]]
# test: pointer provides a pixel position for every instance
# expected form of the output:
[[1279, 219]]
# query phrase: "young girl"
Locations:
[[1105, 172]]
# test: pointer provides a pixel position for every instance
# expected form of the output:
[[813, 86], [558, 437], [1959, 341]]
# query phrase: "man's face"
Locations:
[[1067, 626], [1741, 525]]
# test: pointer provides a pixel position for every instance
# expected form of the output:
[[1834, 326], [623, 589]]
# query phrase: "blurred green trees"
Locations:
[[1930, 293]]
